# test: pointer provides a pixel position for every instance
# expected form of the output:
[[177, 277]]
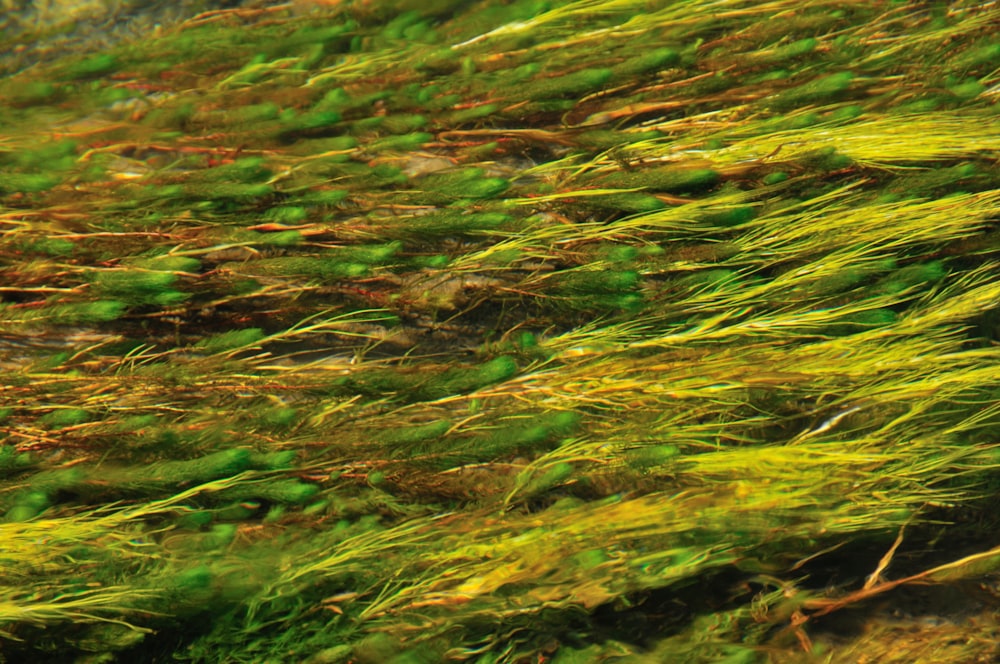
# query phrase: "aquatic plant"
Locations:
[[501, 332]]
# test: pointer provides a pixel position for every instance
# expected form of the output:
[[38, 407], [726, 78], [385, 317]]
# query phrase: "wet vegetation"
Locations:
[[505, 332]]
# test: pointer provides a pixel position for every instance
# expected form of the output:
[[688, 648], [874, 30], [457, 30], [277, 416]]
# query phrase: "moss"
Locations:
[[560, 85], [331, 38], [403, 123], [281, 417], [290, 214], [93, 66], [967, 90], [300, 266], [472, 113], [27, 505], [414, 434], [227, 192], [139, 287], [988, 54], [820, 90], [603, 303], [64, 417], [368, 254], [250, 114], [627, 202], [167, 263], [517, 437], [444, 223], [907, 277], [376, 648], [617, 253], [846, 113], [325, 197], [649, 457], [936, 181], [99, 311], [281, 239], [311, 124], [668, 179], [553, 476], [23, 94], [729, 217], [709, 279], [925, 105], [594, 282], [401, 143], [603, 139], [26, 183], [481, 188], [292, 492], [135, 423], [12, 461], [226, 341], [51, 246], [425, 386], [648, 62], [825, 159], [458, 380], [854, 323], [795, 49], [274, 460], [245, 170], [340, 101], [800, 121], [225, 463]]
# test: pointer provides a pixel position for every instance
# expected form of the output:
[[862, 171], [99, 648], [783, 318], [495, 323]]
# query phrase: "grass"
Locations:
[[502, 332]]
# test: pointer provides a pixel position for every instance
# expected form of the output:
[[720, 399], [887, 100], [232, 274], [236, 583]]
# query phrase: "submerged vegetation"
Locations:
[[504, 332]]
